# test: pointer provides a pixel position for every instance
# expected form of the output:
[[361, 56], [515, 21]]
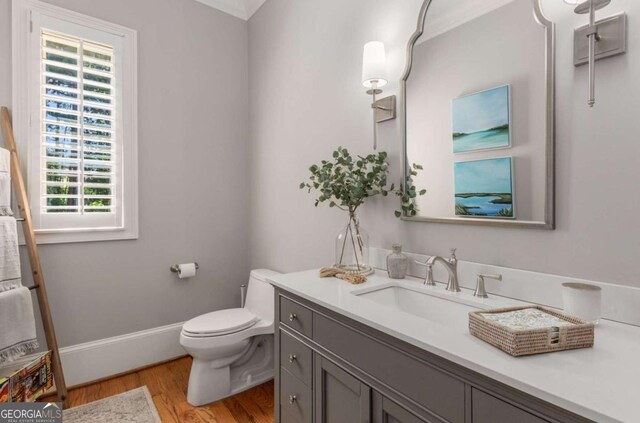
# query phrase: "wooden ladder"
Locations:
[[34, 258]]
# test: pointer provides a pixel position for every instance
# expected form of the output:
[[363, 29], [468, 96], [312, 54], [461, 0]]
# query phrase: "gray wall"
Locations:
[[193, 139], [306, 99]]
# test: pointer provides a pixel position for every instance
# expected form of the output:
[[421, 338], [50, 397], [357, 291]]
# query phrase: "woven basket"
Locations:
[[531, 341]]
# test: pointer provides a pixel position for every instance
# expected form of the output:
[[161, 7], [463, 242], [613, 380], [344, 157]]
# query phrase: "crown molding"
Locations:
[[460, 14], [242, 9], [252, 6]]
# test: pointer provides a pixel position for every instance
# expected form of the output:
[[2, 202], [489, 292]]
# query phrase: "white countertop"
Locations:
[[600, 383]]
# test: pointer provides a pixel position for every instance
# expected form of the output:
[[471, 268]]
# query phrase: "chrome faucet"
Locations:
[[480, 289], [452, 267], [428, 278]]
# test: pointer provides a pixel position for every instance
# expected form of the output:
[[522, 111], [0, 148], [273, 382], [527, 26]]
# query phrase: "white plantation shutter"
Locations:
[[75, 117], [78, 126]]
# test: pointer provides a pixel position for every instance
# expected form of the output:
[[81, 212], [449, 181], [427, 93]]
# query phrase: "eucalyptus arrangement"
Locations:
[[346, 182]]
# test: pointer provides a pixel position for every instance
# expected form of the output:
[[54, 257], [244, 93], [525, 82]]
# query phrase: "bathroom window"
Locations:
[[75, 121]]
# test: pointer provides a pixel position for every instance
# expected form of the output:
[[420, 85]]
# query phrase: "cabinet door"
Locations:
[[387, 411], [338, 396]]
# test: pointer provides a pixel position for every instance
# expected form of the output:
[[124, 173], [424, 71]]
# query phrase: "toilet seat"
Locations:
[[217, 323]]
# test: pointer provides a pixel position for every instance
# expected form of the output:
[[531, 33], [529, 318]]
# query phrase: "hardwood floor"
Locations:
[[168, 386]]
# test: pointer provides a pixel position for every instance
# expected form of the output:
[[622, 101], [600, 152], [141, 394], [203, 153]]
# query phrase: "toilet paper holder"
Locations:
[[176, 267]]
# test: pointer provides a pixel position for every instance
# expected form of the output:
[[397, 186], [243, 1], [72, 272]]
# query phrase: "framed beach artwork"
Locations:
[[482, 121], [484, 188]]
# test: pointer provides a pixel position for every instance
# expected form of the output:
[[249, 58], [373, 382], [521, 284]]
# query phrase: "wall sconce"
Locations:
[[374, 77], [597, 40]]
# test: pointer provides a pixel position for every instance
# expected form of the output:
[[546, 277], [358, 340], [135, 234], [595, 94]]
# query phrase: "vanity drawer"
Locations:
[[295, 398], [433, 389], [296, 316], [488, 409], [296, 357], [288, 418]]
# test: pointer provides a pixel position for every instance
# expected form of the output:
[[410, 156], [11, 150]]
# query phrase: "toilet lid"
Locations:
[[220, 322]]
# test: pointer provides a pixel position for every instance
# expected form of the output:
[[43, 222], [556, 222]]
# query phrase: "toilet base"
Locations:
[[209, 384], [201, 388]]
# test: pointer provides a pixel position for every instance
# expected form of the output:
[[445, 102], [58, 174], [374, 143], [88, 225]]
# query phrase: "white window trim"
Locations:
[[21, 32]]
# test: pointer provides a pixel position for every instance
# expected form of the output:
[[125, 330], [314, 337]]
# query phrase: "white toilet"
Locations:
[[232, 349]]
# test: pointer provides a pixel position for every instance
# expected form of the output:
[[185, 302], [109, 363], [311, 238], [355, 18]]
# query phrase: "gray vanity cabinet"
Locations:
[[339, 396], [387, 411], [331, 369], [488, 409]]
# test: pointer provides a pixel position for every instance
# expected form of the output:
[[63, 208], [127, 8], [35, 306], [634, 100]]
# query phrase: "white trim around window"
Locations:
[[92, 219]]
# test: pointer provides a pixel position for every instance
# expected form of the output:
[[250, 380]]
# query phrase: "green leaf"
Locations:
[[348, 181], [423, 191], [398, 214]]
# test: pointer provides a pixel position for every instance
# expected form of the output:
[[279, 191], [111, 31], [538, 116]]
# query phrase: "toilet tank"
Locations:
[[260, 295]]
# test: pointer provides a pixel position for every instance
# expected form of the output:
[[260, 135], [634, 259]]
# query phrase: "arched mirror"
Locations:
[[478, 110]]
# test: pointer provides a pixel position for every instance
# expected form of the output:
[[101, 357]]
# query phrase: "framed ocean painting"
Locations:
[[484, 188], [482, 121]]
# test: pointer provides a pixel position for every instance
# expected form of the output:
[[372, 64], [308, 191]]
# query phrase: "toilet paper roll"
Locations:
[[186, 270]]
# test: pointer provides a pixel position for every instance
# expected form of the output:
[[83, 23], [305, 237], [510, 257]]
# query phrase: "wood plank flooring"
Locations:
[[167, 384]]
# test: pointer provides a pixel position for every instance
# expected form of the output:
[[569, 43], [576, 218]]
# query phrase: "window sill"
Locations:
[[83, 236]]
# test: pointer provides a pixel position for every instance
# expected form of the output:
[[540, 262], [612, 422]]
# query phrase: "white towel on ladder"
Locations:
[[17, 321], [9, 254], [17, 324], [5, 183]]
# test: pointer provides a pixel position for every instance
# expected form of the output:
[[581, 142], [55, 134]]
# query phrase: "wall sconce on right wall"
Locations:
[[597, 40]]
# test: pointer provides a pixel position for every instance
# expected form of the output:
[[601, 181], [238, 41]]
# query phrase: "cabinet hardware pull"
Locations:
[[292, 317], [292, 358], [292, 399]]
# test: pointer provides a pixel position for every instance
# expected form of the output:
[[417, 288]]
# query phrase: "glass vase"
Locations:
[[352, 249]]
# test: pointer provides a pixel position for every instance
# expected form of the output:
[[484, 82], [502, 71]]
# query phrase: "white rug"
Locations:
[[135, 406]]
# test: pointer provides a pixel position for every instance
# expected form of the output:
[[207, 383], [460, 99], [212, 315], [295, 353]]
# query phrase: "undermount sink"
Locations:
[[421, 302]]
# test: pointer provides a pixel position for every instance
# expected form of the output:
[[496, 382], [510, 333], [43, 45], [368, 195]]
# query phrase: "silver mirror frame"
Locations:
[[550, 37]]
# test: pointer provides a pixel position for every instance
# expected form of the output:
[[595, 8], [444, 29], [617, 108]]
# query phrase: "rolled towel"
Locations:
[[5, 183], [9, 254], [17, 324]]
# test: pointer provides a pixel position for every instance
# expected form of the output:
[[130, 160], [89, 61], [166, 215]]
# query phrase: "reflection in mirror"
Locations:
[[478, 98]]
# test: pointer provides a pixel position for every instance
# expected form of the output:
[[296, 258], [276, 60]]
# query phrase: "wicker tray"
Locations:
[[517, 342]]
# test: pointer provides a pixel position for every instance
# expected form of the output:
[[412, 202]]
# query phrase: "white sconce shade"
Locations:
[[572, 2], [374, 65]]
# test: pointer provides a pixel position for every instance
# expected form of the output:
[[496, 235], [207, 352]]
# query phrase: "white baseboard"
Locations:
[[95, 360]]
